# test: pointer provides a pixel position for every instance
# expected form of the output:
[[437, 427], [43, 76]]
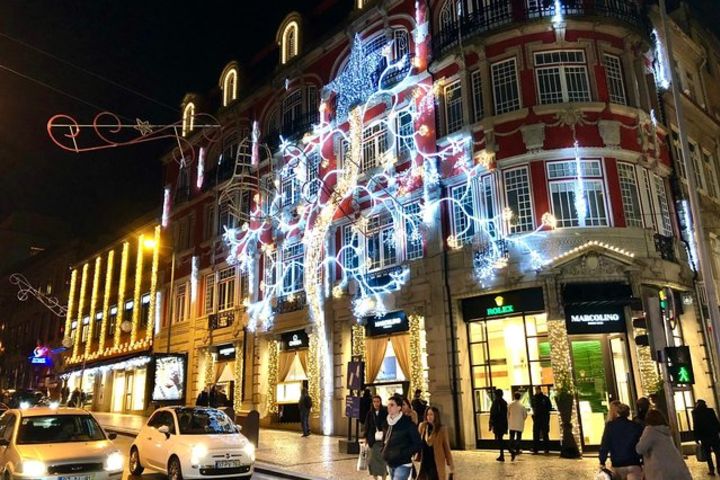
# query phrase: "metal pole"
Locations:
[[704, 265], [171, 300]]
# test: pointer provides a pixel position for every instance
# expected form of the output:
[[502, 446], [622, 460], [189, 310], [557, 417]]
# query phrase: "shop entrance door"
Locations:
[[602, 374], [129, 384]]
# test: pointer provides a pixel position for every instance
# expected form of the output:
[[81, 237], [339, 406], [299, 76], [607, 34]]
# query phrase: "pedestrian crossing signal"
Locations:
[[679, 365]]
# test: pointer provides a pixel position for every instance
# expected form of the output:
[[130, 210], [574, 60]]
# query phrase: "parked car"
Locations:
[[65, 443], [192, 443]]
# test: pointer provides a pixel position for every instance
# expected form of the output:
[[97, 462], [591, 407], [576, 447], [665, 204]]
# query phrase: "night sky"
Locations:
[[160, 48]]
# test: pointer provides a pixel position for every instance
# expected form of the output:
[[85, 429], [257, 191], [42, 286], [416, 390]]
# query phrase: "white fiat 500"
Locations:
[[192, 442], [57, 444]]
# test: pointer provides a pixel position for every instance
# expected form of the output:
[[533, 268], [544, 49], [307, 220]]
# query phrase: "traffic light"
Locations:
[[679, 365], [648, 326]]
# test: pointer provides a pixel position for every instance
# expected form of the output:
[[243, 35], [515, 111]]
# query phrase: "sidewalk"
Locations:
[[317, 457]]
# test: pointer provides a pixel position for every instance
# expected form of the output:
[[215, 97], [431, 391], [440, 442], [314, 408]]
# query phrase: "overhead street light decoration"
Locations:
[[26, 290]]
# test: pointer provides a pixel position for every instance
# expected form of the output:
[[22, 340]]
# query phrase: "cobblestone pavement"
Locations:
[[318, 457]]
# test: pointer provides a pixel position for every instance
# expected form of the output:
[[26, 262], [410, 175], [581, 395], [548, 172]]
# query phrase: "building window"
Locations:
[[182, 233], [374, 146], [180, 313], [350, 249], [73, 329], [630, 195], [614, 76], [290, 188], [413, 235], [401, 43], [129, 307], [453, 107], [226, 219], [506, 91], [292, 108], [85, 329], [98, 325], [381, 248], [695, 159], [488, 204], [463, 213], [664, 224], [312, 180], [711, 185], [405, 135], [519, 200], [292, 265], [145, 310], [562, 76], [229, 87], [476, 82], [188, 123], [566, 183], [290, 40], [678, 154], [112, 321], [209, 293], [270, 268], [226, 289], [209, 223]]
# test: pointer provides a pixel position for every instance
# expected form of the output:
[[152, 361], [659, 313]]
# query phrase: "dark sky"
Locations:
[[161, 48]]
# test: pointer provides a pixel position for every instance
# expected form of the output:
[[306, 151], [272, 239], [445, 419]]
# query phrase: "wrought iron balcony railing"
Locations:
[[292, 129], [479, 17]]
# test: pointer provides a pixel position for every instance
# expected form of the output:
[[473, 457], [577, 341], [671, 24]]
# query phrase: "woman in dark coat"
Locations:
[[707, 430], [375, 426], [499, 421]]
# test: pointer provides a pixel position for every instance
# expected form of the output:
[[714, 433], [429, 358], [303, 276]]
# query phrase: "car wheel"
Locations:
[[174, 470], [134, 462]]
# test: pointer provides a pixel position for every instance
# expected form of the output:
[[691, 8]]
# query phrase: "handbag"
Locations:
[[700, 453], [362, 462]]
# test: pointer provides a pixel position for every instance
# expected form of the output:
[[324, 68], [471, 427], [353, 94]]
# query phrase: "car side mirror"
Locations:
[[4, 442], [164, 429], [112, 436]]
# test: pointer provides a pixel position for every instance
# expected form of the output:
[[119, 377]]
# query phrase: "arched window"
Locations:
[[290, 40], [188, 119], [229, 87]]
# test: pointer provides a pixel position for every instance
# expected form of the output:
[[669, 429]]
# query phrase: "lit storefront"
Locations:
[[292, 374]]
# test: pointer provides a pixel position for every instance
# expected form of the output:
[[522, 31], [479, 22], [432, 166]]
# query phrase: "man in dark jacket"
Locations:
[[402, 440], [541, 407], [366, 403], [305, 405], [706, 429], [419, 405], [499, 422], [619, 440]]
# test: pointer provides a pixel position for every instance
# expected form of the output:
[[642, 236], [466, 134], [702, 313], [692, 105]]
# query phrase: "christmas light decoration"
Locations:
[[129, 364], [314, 374], [358, 340], [106, 299], [201, 168], [155, 305], [25, 290], [71, 306], [238, 376], [166, 207], [194, 275], [81, 306], [650, 381], [418, 377], [272, 369], [662, 70], [689, 228], [209, 374], [590, 244], [121, 293], [138, 289], [93, 303], [561, 362]]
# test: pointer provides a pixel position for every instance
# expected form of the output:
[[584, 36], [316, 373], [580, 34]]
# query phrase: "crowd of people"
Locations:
[[401, 432]]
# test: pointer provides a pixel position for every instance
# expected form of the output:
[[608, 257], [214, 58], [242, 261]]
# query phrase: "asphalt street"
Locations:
[[123, 443]]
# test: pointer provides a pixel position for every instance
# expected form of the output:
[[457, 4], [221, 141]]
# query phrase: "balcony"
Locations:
[[221, 320], [665, 246], [291, 303], [500, 13], [292, 129]]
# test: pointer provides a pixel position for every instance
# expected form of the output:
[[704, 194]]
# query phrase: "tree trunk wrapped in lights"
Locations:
[[565, 391]]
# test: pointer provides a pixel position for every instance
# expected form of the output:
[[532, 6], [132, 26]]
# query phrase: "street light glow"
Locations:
[[149, 243]]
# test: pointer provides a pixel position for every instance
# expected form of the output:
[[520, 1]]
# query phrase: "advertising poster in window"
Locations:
[[169, 382]]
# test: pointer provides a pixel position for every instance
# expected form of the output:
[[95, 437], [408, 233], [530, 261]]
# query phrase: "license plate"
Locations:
[[78, 477], [227, 464]]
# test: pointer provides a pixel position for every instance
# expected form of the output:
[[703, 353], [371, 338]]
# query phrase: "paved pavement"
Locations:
[[317, 457]]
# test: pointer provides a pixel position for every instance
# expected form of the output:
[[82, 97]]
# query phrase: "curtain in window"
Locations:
[[401, 345], [303, 356], [285, 361], [375, 349]]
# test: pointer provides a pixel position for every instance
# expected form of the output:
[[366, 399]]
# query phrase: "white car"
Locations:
[[58, 444], [192, 442]]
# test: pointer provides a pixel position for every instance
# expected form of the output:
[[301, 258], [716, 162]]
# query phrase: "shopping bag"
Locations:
[[604, 474], [362, 462], [700, 453]]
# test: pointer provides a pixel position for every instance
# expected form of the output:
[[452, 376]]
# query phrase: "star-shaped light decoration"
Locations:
[[143, 126], [356, 82]]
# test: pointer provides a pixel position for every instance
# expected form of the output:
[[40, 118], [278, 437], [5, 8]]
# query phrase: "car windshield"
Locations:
[[204, 422], [59, 429]]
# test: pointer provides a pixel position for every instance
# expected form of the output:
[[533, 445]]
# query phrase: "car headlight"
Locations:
[[249, 450], [114, 461], [34, 468], [197, 453]]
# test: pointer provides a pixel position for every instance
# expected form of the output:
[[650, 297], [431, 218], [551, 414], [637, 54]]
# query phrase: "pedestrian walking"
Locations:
[[642, 407], [541, 407], [408, 410], [203, 399], [517, 413], [707, 430], [619, 440], [499, 421], [375, 427], [419, 404], [366, 403], [661, 458], [75, 398], [305, 405], [402, 440], [435, 456]]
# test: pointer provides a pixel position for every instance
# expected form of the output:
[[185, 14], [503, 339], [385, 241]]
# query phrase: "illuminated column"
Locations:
[[93, 303], [238, 375], [121, 293], [71, 303], [137, 308], [81, 305], [273, 352], [154, 302], [106, 300], [417, 365]]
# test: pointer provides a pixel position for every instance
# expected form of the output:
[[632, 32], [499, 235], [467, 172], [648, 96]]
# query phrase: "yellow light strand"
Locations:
[[273, 348], [314, 372], [153, 287], [137, 308], [81, 305], [71, 302], [209, 368], [358, 342], [649, 376], [121, 294], [417, 372], [237, 372], [106, 300], [93, 304]]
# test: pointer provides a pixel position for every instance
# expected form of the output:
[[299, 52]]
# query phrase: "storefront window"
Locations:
[[390, 369]]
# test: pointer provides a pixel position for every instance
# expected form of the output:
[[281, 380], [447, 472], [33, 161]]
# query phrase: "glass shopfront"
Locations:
[[387, 347], [292, 374]]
